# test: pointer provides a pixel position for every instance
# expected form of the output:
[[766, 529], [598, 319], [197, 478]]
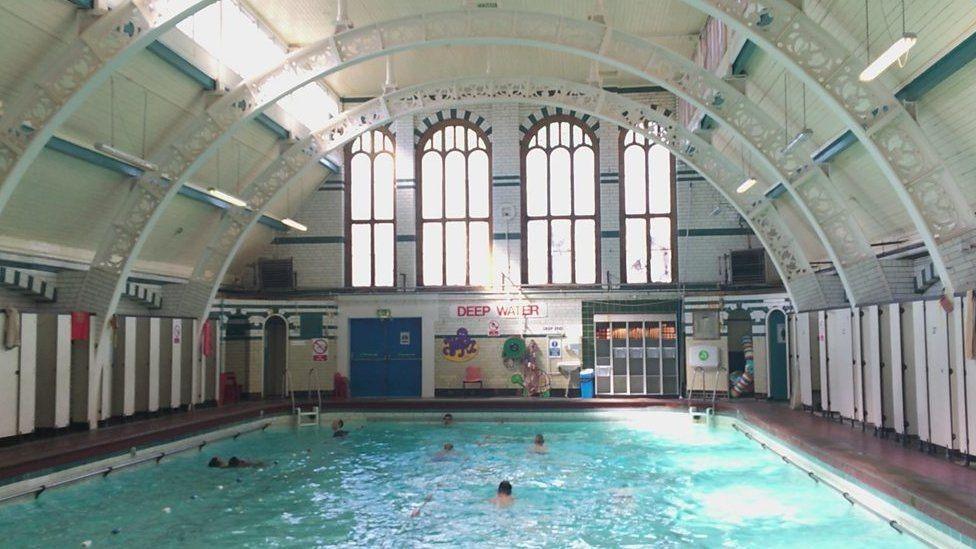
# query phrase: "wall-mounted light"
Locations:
[[746, 185], [294, 224], [229, 198]]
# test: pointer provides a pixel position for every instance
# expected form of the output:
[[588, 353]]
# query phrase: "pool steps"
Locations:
[[307, 419]]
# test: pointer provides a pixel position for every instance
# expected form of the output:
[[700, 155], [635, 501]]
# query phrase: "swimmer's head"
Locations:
[[448, 446], [539, 440], [233, 462], [337, 424], [447, 419], [505, 488], [215, 462]]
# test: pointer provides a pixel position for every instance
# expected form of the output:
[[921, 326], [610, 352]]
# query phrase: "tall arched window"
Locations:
[[454, 210], [560, 244], [647, 235], [370, 210]]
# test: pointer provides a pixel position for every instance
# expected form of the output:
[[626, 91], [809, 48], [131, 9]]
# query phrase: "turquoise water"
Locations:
[[606, 484]]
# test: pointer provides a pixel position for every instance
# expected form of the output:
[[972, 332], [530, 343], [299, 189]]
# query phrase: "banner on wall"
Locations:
[[505, 310], [320, 350]]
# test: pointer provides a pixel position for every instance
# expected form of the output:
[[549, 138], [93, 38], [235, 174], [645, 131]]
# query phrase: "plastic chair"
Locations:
[[230, 391], [472, 375]]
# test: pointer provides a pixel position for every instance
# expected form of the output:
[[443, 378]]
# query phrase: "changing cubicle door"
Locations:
[[937, 353], [822, 334], [871, 366], [803, 355], [840, 352]]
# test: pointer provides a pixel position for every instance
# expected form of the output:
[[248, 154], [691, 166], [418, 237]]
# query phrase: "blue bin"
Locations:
[[586, 383]]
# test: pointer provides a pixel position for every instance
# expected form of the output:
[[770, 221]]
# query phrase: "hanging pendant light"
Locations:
[[894, 52]]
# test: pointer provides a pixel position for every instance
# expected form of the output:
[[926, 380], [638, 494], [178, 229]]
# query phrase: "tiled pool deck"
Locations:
[[940, 488]]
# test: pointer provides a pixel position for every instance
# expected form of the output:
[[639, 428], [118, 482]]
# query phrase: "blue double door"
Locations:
[[385, 357]]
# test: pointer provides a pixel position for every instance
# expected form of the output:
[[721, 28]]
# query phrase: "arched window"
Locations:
[[560, 244], [370, 210], [647, 234], [454, 210]]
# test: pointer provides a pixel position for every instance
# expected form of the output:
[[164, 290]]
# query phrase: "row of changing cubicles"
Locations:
[[901, 368], [155, 364]]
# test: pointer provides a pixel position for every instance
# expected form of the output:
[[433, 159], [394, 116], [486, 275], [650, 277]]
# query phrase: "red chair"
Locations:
[[340, 386], [230, 391], [472, 375]]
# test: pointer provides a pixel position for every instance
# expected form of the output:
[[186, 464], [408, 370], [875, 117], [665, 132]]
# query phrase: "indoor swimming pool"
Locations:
[[658, 481]]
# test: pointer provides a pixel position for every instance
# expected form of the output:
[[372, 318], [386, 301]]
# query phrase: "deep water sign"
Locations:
[[504, 310]]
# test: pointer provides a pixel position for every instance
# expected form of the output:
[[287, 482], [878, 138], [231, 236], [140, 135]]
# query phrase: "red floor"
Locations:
[[938, 487]]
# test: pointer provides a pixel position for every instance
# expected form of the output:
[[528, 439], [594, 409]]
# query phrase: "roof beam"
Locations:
[[940, 71], [101, 160]]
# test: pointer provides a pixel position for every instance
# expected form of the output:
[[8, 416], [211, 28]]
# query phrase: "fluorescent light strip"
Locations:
[[804, 134], [229, 198], [890, 55], [131, 159], [294, 224], [746, 185]]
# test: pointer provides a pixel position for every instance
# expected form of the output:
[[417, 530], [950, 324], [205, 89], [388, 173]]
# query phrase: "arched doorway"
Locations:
[[779, 380], [275, 356]]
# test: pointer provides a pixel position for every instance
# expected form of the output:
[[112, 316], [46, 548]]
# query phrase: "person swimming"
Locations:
[[337, 431], [447, 420], [504, 496], [445, 453], [539, 445], [233, 463], [236, 462]]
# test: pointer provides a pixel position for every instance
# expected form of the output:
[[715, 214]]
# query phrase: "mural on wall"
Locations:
[[526, 361], [460, 347]]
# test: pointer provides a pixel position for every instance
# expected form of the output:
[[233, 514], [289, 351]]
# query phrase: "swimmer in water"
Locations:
[[216, 462], [504, 496], [337, 431], [446, 452], [539, 445], [236, 463], [447, 420], [416, 512]]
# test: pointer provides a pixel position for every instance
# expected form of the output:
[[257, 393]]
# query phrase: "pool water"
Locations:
[[661, 482]]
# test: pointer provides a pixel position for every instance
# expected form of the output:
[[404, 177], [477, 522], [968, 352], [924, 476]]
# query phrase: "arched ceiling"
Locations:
[[137, 107]]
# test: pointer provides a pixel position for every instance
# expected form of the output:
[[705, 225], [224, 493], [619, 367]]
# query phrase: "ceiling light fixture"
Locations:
[[229, 198], [895, 52], [126, 157], [746, 185], [892, 54], [294, 224]]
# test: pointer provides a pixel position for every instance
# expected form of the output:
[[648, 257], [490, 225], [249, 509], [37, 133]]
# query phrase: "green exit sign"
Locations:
[[383, 313]]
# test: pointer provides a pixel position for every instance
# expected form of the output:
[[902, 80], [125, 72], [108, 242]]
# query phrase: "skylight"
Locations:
[[231, 34]]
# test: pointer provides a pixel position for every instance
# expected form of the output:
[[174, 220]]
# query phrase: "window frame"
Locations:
[[647, 216], [549, 218], [467, 219], [372, 221]]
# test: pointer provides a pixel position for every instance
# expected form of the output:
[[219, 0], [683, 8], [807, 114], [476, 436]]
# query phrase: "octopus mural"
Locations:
[[460, 347]]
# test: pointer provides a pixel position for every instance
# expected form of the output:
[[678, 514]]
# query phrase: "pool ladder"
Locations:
[[303, 418], [701, 416]]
